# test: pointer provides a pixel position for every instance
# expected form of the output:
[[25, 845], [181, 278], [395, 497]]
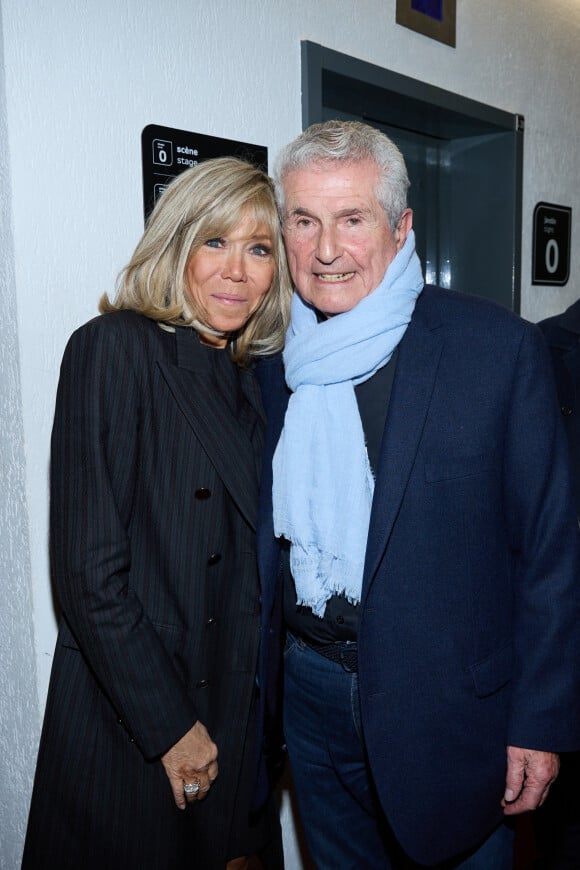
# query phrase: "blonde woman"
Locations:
[[147, 756]]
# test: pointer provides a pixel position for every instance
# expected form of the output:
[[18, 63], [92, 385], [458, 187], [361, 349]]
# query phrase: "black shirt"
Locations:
[[340, 619]]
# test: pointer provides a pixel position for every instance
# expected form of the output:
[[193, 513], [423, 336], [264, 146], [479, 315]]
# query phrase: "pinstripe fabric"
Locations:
[[153, 501]]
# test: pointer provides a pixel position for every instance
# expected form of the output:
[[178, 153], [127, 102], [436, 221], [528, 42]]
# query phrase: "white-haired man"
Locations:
[[417, 496]]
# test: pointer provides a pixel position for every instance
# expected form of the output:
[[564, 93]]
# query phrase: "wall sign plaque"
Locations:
[[551, 244], [166, 152]]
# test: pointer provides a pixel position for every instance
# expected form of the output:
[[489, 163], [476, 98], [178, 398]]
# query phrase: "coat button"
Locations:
[[340, 619], [211, 622], [202, 493], [566, 410], [202, 684], [214, 559]]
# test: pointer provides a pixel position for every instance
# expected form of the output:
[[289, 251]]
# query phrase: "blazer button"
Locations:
[[211, 622], [214, 559], [202, 684], [202, 493], [566, 410]]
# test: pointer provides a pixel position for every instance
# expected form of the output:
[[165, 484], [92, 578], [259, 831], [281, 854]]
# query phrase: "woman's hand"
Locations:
[[193, 759]]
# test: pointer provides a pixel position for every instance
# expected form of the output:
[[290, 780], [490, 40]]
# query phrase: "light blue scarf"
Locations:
[[323, 484]]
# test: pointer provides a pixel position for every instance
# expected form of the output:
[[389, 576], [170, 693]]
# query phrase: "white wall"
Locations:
[[18, 695], [82, 78]]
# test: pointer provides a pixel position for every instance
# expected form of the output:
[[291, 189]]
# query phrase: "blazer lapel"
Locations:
[[224, 433], [418, 359]]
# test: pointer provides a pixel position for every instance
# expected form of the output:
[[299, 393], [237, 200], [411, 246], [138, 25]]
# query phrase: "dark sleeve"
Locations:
[[545, 711], [94, 467]]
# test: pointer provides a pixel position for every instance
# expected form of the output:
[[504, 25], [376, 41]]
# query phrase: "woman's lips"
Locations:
[[228, 300]]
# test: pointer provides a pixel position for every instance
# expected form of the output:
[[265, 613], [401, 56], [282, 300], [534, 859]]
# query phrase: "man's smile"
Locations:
[[329, 278]]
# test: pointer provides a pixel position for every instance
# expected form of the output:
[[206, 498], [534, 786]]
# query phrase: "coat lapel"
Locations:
[[569, 321], [415, 376], [224, 431]]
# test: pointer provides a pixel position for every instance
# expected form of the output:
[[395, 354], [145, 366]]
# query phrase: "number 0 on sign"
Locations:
[[551, 246]]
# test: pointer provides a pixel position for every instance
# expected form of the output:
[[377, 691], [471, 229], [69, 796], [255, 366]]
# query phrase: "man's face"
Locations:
[[337, 236]]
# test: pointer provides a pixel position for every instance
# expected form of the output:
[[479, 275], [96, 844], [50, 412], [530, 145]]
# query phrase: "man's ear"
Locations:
[[403, 228]]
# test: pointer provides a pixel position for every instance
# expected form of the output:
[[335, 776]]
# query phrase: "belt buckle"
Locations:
[[348, 657]]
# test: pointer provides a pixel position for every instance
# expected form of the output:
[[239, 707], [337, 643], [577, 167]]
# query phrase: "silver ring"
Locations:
[[192, 788]]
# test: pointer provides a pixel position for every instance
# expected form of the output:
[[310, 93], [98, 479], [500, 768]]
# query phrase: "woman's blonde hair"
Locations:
[[204, 203]]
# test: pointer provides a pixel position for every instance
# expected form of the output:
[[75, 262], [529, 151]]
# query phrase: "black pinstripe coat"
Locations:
[[154, 477]]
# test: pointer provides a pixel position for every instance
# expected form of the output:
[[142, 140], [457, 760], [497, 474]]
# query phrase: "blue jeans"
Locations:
[[343, 822]]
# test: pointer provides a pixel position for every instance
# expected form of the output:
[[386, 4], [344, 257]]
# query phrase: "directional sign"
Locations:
[[166, 152], [551, 245]]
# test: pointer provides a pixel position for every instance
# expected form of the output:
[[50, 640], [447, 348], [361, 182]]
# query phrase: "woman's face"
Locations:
[[228, 277]]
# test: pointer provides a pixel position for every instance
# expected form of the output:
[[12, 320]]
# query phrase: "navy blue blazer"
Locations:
[[470, 611], [562, 333]]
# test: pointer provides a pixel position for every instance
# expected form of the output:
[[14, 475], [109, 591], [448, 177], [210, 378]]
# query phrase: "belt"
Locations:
[[342, 652]]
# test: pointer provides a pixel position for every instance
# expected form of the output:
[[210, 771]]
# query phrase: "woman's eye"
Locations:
[[215, 243], [262, 250]]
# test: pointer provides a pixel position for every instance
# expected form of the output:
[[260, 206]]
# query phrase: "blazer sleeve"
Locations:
[[94, 466], [544, 541]]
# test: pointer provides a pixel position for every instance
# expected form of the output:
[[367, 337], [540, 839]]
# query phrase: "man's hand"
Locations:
[[193, 759], [530, 773]]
